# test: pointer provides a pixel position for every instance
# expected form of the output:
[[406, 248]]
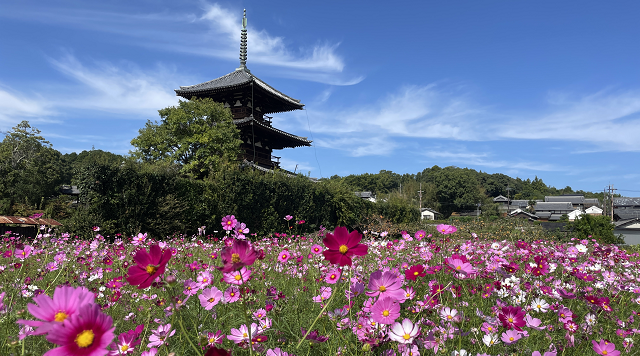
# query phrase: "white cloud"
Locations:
[[15, 107], [212, 31], [605, 121], [120, 89]]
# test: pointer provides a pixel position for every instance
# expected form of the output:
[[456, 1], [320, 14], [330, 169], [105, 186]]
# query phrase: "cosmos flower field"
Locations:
[[337, 292]]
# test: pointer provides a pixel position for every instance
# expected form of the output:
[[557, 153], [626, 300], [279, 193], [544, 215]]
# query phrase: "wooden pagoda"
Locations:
[[251, 100]]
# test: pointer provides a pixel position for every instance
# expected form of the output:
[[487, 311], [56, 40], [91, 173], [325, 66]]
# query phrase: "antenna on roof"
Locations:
[[243, 42]]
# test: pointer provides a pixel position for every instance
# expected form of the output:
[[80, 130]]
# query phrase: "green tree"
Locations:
[[29, 167], [199, 135], [599, 227]]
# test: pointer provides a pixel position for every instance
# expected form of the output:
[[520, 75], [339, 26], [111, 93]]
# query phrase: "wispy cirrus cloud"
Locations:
[[15, 107], [605, 121], [210, 30]]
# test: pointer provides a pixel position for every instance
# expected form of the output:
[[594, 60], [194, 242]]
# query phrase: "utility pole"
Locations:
[[611, 190], [420, 195], [604, 201], [478, 211], [508, 199]]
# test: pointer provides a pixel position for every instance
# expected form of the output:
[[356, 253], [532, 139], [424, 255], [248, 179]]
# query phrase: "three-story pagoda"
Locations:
[[251, 100]]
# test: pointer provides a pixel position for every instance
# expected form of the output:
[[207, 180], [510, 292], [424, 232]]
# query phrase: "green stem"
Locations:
[[54, 280], [319, 315], [186, 337]]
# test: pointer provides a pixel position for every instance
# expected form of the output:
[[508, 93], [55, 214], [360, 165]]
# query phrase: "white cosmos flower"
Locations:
[[582, 248], [490, 339], [404, 332], [540, 305]]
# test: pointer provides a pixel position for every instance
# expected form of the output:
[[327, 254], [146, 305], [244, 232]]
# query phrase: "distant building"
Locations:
[[577, 200], [626, 208], [366, 196], [594, 210], [429, 214], [575, 214], [519, 213], [552, 211]]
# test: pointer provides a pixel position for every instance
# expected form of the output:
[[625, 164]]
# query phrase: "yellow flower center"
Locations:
[[232, 294], [151, 269], [60, 316], [511, 320], [382, 288], [604, 352], [416, 273], [244, 335], [124, 348], [284, 257], [343, 249], [458, 267], [238, 277], [85, 338], [407, 336], [511, 338], [385, 313], [212, 340], [211, 300], [539, 306], [408, 295], [489, 328], [235, 258]]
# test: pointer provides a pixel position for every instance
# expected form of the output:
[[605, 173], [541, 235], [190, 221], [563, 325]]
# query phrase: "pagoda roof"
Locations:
[[240, 78], [295, 141]]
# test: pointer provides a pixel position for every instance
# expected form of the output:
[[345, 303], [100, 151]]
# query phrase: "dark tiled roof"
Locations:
[[431, 210], [547, 206], [626, 201], [238, 78], [621, 223], [500, 198], [302, 140], [555, 217], [574, 199], [543, 215], [364, 194]]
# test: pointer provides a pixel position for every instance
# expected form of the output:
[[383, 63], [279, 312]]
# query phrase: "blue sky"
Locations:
[[545, 88]]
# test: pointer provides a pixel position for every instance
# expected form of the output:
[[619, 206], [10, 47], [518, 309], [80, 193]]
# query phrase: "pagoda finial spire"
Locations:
[[243, 42]]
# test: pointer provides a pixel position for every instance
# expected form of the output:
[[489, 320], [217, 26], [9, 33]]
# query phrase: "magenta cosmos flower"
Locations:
[[229, 222], [461, 267], [284, 256], [65, 303], [385, 311], [341, 245], [512, 317], [414, 272], [446, 229], [605, 348], [240, 254], [86, 333], [149, 266]]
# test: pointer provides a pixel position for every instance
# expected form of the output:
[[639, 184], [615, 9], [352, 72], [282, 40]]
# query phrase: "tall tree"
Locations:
[[29, 167], [199, 135]]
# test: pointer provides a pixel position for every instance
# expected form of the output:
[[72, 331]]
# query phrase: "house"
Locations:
[[575, 214], [589, 202], [429, 214], [577, 200], [552, 211], [366, 196], [23, 225], [519, 213], [629, 229], [594, 210], [626, 208], [507, 206]]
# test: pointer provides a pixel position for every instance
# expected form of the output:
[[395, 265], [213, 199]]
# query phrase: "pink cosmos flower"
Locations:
[[385, 311], [240, 254], [355, 290], [229, 222], [237, 277], [284, 256], [414, 272], [446, 229], [276, 352], [242, 334], [605, 347], [449, 314], [139, 240], [149, 266], [341, 245], [159, 336], [404, 332], [86, 333], [548, 353], [151, 352], [23, 253], [288, 217], [332, 276], [210, 297], [420, 234], [385, 285], [461, 267], [316, 249], [510, 337], [325, 293], [232, 294], [66, 302], [204, 279]]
